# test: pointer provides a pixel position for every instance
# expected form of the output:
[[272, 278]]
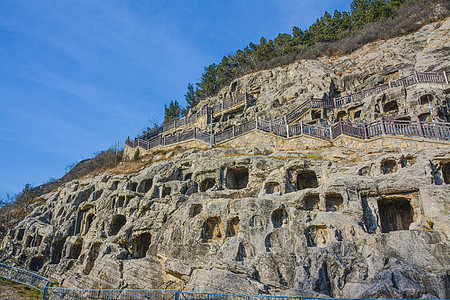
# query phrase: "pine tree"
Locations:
[[190, 96], [171, 112]]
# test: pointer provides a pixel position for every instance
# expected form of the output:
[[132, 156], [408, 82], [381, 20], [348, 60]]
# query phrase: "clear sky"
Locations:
[[79, 76]]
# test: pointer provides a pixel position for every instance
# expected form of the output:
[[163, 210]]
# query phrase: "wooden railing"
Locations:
[[336, 102], [178, 122], [431, 130], [280, 127]]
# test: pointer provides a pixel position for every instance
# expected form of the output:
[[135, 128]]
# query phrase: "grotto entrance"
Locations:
[[307, 179], [207, 184], [116, 224], [395, 214], [237, 178], [212, 229], [446, 172], [140, 245]]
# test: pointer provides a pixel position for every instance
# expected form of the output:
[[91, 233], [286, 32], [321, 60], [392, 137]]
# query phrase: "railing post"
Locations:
[[334, 102], [365, 131], [341, 126], [234, 134], [331, 132], [178, 137], [270, 126], [419, 126], [416, 77], [177, 295], [256, 122], [383, 130], [9, 273], [194, 134], [445, 77], [287, 130], [390, 85], [301, 127], [44, 292]]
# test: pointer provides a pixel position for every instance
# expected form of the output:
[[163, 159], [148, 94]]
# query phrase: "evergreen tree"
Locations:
[[191, 96], [171, 112]]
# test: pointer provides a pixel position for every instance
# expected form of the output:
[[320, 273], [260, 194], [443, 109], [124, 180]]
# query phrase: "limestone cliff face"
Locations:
[[341, 221]]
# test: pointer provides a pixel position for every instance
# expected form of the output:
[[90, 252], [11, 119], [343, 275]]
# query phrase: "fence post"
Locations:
[[365, 131], [383, 130], [445, 77], [419, 126], [44, 292]]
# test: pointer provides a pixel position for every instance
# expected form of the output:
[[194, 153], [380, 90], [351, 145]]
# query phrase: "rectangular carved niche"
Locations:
[[398, 211], [393, 212]]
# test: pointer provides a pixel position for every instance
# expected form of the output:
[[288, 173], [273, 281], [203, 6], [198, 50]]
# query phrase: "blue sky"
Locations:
[[79, 76]]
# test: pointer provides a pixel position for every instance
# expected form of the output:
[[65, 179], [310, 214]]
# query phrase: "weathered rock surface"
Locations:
[[251, 221]]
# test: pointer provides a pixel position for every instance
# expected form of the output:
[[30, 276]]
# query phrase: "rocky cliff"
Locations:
[[328, 219]]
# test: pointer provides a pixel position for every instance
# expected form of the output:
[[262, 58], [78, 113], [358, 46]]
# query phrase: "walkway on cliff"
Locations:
[[282, 128]]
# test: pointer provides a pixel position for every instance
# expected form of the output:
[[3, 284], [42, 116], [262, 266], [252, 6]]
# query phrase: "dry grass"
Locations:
[[16, 291]]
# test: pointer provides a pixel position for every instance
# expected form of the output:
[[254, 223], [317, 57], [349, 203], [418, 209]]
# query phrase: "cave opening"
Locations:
[[279, 217], [312, 201], [233, 227], [88, 222], [317, 236], [116, 224], [75, 250], [272, 187], [167, 190], [307, 179], [140, 245], [20, 234], [37, 263], [446, 172], [391, 106], [194, 210], [212, 229], [425, 99], [57, 248], [237, 178], [388, 166], [92, 257], [121, 201], [395, 214], [114, 185], [207, 184], [334, 202], [133, 186]]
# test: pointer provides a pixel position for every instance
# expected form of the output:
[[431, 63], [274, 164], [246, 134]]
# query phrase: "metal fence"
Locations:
[[108, 294], [56, 293], [23, 276]]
